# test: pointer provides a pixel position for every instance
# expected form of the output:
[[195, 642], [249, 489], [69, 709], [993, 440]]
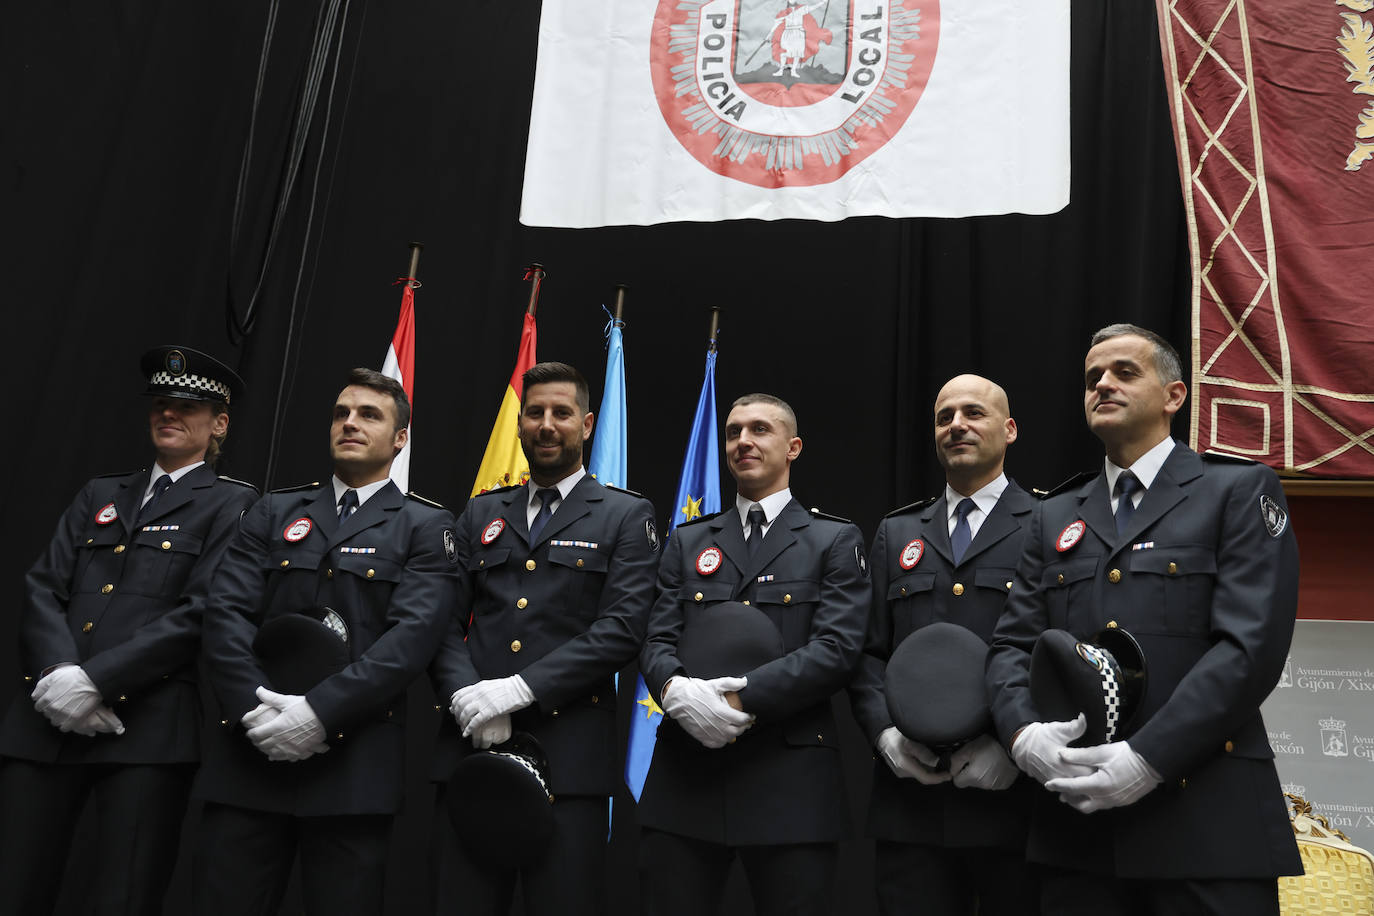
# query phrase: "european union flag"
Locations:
[[609, 462], [698, 494]]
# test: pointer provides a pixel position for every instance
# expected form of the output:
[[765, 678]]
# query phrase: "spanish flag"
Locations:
[[504, 463]]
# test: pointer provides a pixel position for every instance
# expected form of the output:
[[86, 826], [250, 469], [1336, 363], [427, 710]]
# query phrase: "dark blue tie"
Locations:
[[962, 535], [159, 487], [348, 504], [1126, 485], [756, 523], [546, 497]]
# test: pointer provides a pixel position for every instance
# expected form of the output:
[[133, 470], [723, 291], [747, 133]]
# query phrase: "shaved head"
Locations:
[[973, 427], [989, 392]]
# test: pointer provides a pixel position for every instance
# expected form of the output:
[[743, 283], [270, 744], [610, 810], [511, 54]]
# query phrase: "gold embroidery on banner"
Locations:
[[1357, 48]]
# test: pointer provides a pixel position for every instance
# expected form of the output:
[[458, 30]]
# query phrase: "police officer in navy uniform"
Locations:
[[949, 840], [109, 632], [1194, 556], [555, 582], [321, 772], [748, 765]]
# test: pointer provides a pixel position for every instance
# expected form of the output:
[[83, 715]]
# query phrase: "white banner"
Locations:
[[707, 110]]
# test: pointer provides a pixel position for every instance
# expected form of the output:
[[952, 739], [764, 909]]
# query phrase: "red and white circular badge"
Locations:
[[708, 561], [106, 515], [493, 530], [297, 530], [789, 93], [911, 554], [1070, 536]]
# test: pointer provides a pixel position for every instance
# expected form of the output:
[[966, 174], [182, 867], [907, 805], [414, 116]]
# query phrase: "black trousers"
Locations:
[[138, 812], [569, 879], [244, 858], [1074, 893], [680, 876], [914, 878]]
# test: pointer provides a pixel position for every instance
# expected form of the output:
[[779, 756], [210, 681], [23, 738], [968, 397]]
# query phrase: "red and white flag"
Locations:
[[400, 365], [814, 109]]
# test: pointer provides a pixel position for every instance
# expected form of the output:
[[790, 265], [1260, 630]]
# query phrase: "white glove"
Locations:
[[259, 715], [1037, 748], [1119, 776], [495, 731], [982, 764], [701, 709], [102, 720], [477, 704], [66, 696], [910, 759], [294, 734]]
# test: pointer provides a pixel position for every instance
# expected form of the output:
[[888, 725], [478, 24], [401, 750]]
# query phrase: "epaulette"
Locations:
[[1073, 482], [119, 474], [611, 486], [428, 502], [511, 486], [242, 483], [699, 518], [305, 486], [911, 507], [1224, 456], [817, 513]]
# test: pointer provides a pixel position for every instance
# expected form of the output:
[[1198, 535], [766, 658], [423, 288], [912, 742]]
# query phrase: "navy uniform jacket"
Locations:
[[971, 595], [565, 613], [1206, 578], [124, 601], [781, 781], [388, 571]]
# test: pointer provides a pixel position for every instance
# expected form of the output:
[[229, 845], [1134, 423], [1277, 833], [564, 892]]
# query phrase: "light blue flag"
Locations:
[[609, 462], [698, 494]]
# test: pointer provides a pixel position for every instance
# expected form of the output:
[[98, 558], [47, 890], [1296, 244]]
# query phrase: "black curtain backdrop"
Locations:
[[124, 130]]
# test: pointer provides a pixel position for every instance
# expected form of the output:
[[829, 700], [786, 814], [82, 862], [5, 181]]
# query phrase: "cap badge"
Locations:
[[911, 554], [297, 530], [493, 530], [107, 515], [708, 561], [175, 362], [1070, 536]]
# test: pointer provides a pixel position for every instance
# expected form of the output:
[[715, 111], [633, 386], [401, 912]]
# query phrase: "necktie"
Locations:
[[962, 535], [756, 523], [159, 487], [1126, 485], [546, 497], [348, 504]]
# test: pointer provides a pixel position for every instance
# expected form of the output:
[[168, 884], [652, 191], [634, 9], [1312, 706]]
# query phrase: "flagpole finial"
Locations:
[[535, 273], [715, 326], [412, 274], [620, 289]]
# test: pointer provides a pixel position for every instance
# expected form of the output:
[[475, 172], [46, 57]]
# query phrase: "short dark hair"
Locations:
[[385, 384], [547, 373], [1167, 364], [789, 415]]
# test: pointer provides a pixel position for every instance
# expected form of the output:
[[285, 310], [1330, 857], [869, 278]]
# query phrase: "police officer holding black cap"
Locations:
[[109, 633], [949, 837]]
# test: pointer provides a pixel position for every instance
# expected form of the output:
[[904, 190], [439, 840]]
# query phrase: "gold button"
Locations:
[[481, 562], [820, 737], [745, 601], [1008, 584], [339, 736], [87, 627], [554, 713], [123, 698], [223, 721], [371, 573], [90, 540], [786, 599], [958, 589], [1114, 576], [329, 573], [515, 645], [579, 563], [285, 563], [166, 545], [1230, 746], [119, 549], [697, 596], [903, 589], [1111, 624], [1183, 783], [521, 603], [1173, 568], [595, 699], [106, 588], [437, 707], [1061, 578], [530, 564], [388, 714], [28, 678]]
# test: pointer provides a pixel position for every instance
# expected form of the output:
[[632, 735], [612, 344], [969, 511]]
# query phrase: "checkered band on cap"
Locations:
[[1111, 688], [529, 765], [191, 382]]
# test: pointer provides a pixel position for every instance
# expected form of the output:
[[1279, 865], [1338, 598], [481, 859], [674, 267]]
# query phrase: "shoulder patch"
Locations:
[[699, 518], [428, 502], [611, 486], [235, 480], [912, 507], [1223, 456], [303, 487], [1072, 483], [817, 513]]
